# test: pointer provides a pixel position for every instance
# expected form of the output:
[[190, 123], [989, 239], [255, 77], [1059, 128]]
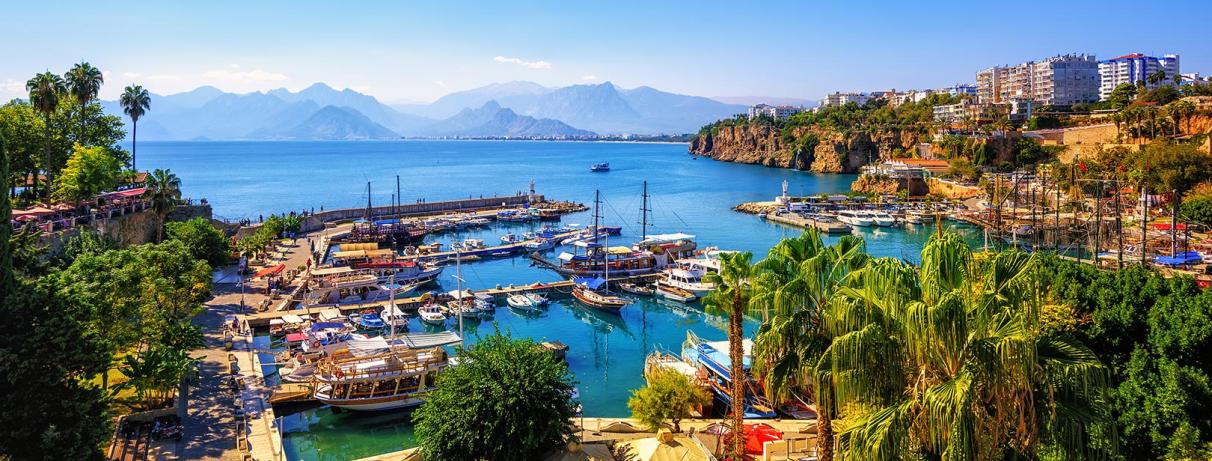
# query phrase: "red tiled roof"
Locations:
[[1129, 56]]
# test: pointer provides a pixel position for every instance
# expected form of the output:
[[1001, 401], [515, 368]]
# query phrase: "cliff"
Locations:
[[814, 149]]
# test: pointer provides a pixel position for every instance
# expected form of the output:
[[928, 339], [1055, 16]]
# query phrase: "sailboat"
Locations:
[[586, 289]]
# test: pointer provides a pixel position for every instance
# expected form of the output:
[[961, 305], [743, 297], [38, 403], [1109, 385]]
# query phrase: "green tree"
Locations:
[[669, 396], [950, 360], [89, 172], [507, 399], [164, 190], [135, 103], [1176, 168], [88, 241], [45, 90], [49, 412], [155, 374], [23, 128], [730, 297], [1197, 210], [204, 241], [1122, 96], [83, 82]]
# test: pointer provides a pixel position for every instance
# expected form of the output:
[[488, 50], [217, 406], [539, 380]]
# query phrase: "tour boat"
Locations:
[[586, 292], [599, 167], [855, 218], [386, 381], [432, 314], [673, 293], [712, 359]]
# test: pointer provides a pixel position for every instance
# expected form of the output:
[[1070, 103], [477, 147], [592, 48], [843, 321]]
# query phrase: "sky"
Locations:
[[418, 51]]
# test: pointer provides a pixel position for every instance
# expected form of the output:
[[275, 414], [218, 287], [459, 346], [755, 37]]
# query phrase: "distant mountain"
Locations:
[[603, 108], [330, 123], [382, 114], [771, 100], [491, 120]]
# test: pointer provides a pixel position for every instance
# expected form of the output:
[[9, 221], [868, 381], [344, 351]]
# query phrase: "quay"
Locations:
[[805, 223]]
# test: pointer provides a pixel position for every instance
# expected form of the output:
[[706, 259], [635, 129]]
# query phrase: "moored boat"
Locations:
[[636, 289], [674, 293], [586, 292], [432, 314], [396, 379], [713, 359]]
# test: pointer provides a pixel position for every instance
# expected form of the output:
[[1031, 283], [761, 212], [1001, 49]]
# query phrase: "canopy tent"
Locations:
[[757, 435], [123, 193], [363, 254], [357, 246], [272, 270], [673, 448], [590, 283], [35, 211]]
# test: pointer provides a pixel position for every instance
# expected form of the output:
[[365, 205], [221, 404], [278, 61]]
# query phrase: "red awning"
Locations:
[[1165, 226], [35, 211], [295, 337], [274, 270], [757, 435], [124, 193]]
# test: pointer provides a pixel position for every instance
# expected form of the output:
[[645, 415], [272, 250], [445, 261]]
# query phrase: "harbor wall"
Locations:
[[132, 228], [316, 221]]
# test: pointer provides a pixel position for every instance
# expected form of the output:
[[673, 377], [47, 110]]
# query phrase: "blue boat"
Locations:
[[371, 321], [713, 358], [600, 167]]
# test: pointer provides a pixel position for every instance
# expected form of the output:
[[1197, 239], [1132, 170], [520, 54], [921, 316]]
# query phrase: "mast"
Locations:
[[368, 208], [391, 296], [606, 263], [644, 212], [597, 202], [399, 199]]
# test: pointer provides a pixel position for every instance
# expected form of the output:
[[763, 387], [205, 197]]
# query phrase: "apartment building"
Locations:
[[1134, 68], [775, 112], [1058, 81], [838, 99]]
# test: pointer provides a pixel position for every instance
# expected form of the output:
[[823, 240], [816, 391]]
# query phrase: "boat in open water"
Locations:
[[600, 167]]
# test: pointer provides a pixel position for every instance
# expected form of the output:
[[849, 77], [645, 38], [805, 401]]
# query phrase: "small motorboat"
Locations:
[[522, 303], [600, 167], [636, 289], [540, 244], [510, 238], [673, 293], [432, 314], [537, 299], [371, 320]]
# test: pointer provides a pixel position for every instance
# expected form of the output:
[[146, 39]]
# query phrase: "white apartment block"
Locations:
[[838, 99], [1134, 68], [1058, 80], [774, 112]]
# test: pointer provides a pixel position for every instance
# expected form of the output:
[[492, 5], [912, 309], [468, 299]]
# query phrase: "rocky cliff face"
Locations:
[[835, 152]]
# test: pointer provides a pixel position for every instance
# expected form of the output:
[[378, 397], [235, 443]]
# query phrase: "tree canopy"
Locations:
[[204, 241], [88, 172], [669, 396], [507, 399]]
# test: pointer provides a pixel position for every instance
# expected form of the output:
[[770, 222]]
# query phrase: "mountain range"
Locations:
[[512, 109]]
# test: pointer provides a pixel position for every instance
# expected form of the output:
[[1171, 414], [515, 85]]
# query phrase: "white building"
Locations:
[[1133, 68], [838, 99], [774, 112], [1056, 81]]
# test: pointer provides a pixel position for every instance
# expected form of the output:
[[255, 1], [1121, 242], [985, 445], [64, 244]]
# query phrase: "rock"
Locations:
[[836, 152]]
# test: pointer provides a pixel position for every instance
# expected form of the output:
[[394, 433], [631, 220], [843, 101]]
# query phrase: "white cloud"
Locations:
[[12, 86], [132, 74], [589, 78], [520, 62], [250, 76], [439, 83], [164, 77]]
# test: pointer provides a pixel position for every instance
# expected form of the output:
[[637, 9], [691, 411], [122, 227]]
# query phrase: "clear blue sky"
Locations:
[[418, 51]]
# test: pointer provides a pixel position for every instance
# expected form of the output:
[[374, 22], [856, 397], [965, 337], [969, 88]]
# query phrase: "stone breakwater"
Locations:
[[834, 151]]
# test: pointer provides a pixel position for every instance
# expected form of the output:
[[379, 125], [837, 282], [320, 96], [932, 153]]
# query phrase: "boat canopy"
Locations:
[[323, 271], [619, 250], [363, 254], [427, 340], [357, 246], [658, 239], [585, 244], [591, 283], [566, 256], [1182, 258], [292, 318], [331, 314], [327, 326]]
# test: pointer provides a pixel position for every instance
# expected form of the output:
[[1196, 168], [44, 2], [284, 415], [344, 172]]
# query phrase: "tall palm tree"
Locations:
[[733, 286], [797, 281], [953, 360], [83, 83], [135, 102], [45, 90], [164, 190]]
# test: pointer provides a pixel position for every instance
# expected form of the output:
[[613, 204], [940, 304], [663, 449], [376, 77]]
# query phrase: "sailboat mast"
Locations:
[[606, 263], [597, 202], [459, 292], [391, 296], [644, 214], [368, 201]]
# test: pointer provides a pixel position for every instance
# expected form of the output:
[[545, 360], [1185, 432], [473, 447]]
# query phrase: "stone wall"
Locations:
[[316, 221], [129, 229]]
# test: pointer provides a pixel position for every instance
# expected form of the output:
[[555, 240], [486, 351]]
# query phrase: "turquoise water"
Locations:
[[247, 179]]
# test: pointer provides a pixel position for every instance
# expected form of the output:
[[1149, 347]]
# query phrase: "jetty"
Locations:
[[795, 220]]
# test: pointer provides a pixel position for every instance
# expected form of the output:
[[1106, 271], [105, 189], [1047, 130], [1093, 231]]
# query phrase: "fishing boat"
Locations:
[[673, 293], [540, 244], [585, 290], [636, 289], [432, 314], [600, 167], [510, 238], [386, 381], [369, 320], [855, 218], [712, 359]]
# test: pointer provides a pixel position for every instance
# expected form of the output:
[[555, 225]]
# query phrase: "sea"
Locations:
[[695, 195]]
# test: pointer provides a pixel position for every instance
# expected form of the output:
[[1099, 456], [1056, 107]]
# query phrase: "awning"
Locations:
[[295, 337], [619, 250], [591, 283], [273, 270], [291, 318], [565, 256], [331, 314], [357, 246], [363, 254], [331, 271], [35, 211]]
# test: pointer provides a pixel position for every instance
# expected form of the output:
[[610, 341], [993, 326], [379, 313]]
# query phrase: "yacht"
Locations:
[[688, 276], [882, 218], [855, 218]]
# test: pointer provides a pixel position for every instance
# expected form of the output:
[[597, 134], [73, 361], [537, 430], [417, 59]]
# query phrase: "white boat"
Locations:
[[538, 299], [522, 303], [855, 218], [882, 218], [688, 277], [432, 314], [510, 238], [540, 244], [393, 316]]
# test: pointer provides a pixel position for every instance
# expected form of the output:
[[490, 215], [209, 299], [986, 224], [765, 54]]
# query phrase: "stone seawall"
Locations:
[[129, 229], [316, 221]]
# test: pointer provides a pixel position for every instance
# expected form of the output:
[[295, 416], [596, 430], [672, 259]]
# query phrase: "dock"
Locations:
[[508, 249], [795, 220]]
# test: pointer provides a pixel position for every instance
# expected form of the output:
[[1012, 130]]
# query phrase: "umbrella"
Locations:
[[757, 435]]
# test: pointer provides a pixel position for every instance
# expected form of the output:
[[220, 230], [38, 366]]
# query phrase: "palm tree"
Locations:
[[1156, 77], [796, 281], [953, 360], [83, 83], [164, 190], [44, 92], [733, 286], [135, 102], [1181, 109]]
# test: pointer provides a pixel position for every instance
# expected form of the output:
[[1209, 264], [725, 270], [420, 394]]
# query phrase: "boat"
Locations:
[[369, 320], [658, 361], [510, 238], [712, 359], [636, 289], [882, 218], [432, 314], [855, 218], [538, 299], [522, 303], [599, 301], [687, 276], [674, 293], [600, 167], [540, 244], [391, 380]]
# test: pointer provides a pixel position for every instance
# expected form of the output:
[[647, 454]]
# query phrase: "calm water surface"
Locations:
[[249, 179]]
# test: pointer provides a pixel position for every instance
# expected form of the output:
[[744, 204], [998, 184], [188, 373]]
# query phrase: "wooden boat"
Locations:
[[713, 360], [432, 314], [673, 293], [599, 301], [636, 289], [396, 379]]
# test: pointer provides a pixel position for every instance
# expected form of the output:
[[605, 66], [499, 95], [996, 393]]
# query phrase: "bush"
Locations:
[[203, 240], [669, 396], [507, 399], [1197, 210]]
